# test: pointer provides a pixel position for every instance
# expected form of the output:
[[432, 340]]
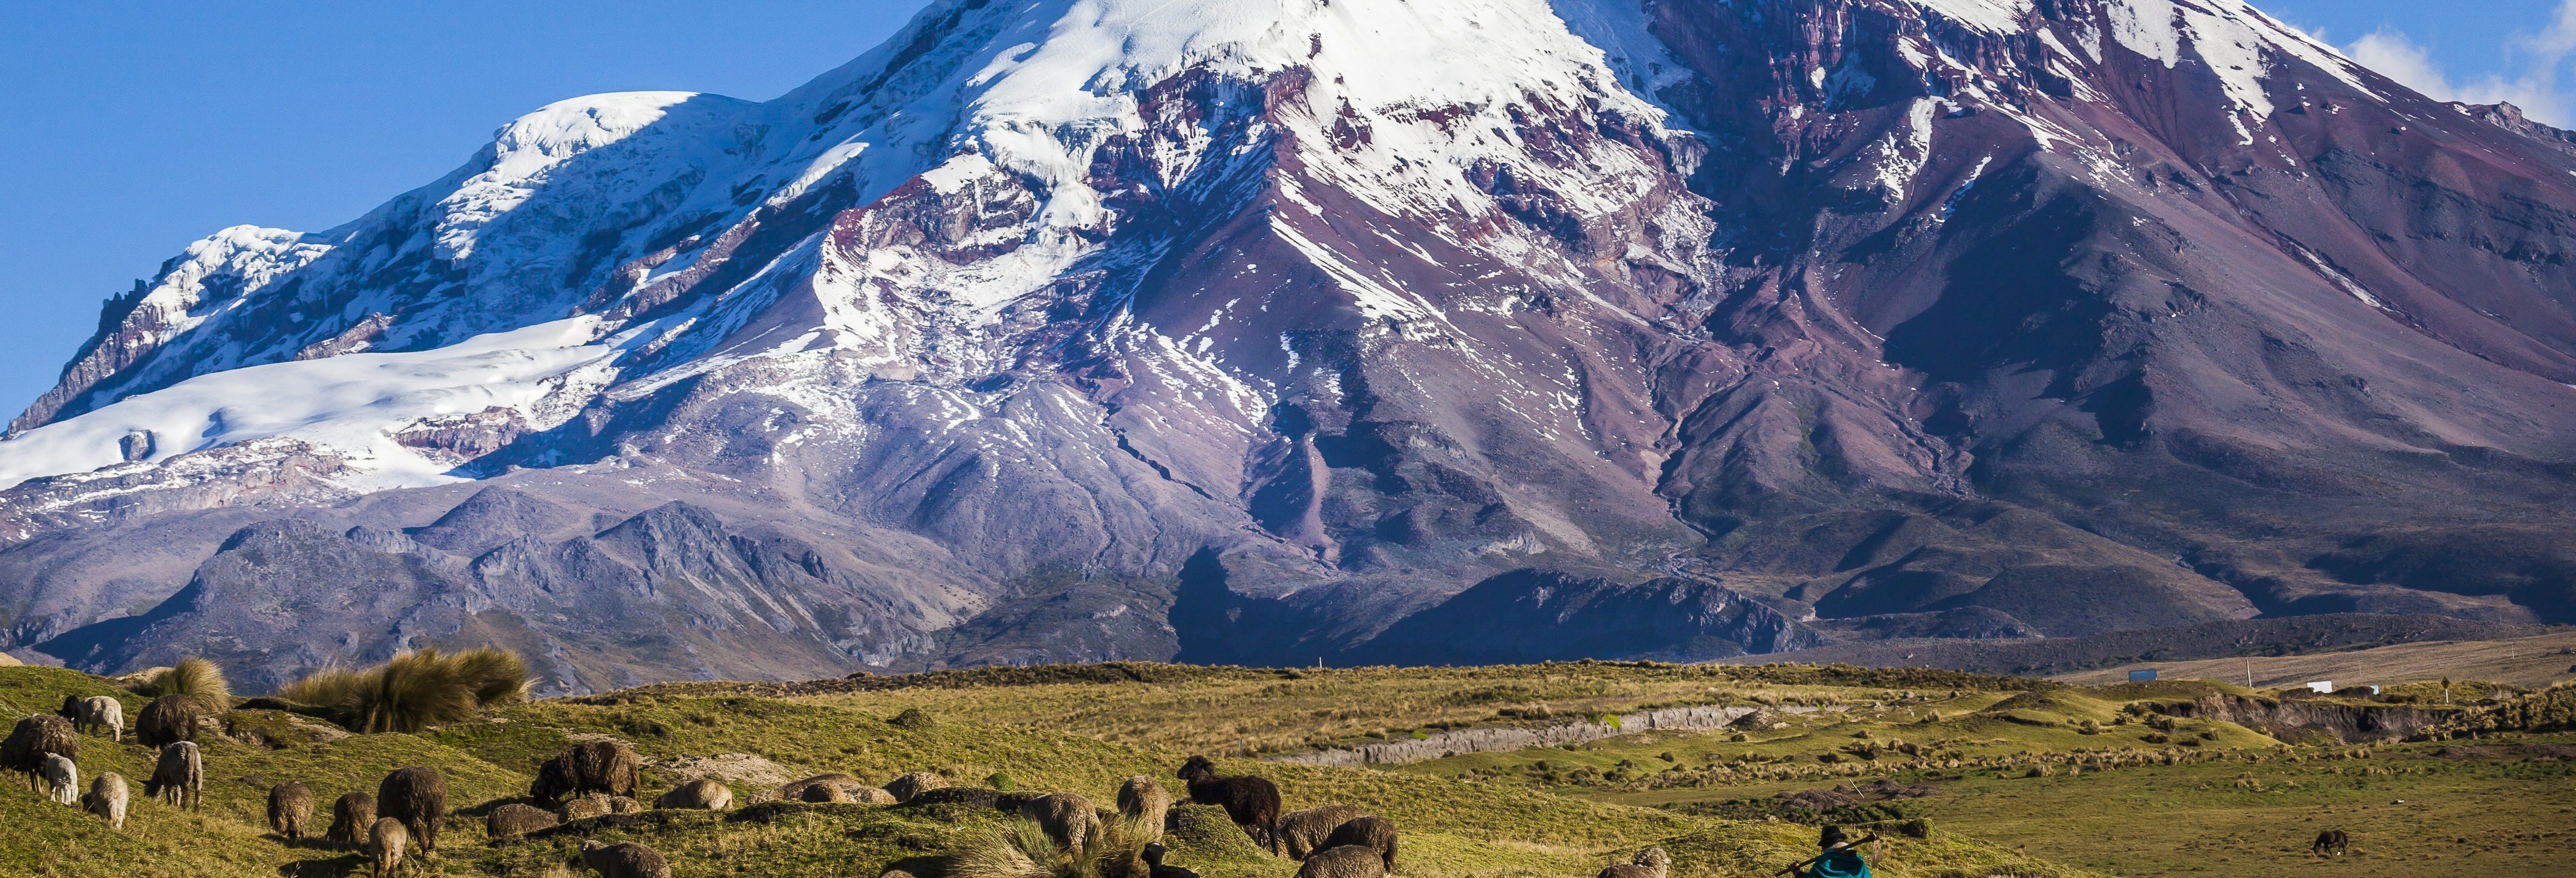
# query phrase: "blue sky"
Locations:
[[137, 126]]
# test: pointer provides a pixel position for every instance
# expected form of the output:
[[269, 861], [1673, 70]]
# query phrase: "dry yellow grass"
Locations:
[[2531, 662], [1277, 712]]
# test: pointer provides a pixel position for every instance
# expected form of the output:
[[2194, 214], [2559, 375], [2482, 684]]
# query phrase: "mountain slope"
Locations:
[[1984, 315]]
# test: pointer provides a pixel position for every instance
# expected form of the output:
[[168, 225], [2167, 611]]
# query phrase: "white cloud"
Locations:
[[2531, 81]]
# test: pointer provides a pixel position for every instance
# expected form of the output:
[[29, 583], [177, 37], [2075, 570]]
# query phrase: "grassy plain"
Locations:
[[2001, 777], [2530, 662]]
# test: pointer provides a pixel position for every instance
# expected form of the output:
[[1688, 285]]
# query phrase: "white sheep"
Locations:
[[96, 712], [107, 798], [63, 778]]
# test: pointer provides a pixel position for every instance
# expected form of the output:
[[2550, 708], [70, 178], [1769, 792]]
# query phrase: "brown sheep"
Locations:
[[623, 805], [167, 719], [351, 817], [605, 767], [1349, 861], [515, 819], [107, 799], [795, 792], [416, 796], [1068, 818], [624, 859], [1649, 863], [702, 794], [1251, 801], [825, 793], [870, 795], [584, 807], [179, 777], [1303, 832], [37, 735], [385, 843], [1372, 832], [289, 805], [96, 712], [588, 767], [1144, 803], [914, 784]]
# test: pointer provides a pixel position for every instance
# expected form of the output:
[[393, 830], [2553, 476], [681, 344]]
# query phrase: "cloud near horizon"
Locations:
[[2531, 81]]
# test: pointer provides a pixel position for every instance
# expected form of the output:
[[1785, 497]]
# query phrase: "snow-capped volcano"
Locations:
[[1241, 329]]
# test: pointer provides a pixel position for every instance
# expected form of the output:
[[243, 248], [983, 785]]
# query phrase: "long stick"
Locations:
[[1810, 860]]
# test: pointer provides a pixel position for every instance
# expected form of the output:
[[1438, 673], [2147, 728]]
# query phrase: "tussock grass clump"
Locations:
[[196, 678], [1017, 849], [416, 690], [1021, 849]]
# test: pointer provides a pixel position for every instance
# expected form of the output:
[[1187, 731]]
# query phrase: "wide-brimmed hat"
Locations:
[[1833, 835]]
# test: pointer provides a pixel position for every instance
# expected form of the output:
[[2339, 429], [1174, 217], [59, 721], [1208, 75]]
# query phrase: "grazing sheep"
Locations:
[[514, 820], [1372, 832], [351, 817], [870, 795], [825, 793], [96, 712], [62, 780], [107, 798], [1144, 803], [1068, 818], [623, 805], [701, 794], [583, 807], [385, 843], [554, 780], [588, 767], [416, 796], [290, 804], [624, 859], [168, 718], [1350, 861], [179, 778], [35, 736], [1649, 863], [1251, 801], [2330, 843], [795, 792], [914, 784], [605, 767], [1154, 867], [1300, 833]]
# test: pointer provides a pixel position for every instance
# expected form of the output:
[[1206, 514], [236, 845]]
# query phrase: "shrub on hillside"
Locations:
[[415, 690], [196, 678]]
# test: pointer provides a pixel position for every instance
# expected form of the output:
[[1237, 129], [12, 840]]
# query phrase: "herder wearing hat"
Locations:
[[1840, 859]]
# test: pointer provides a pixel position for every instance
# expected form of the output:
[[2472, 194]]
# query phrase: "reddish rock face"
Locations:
[[1023, 340]]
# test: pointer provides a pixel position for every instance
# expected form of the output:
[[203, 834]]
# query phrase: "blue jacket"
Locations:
[[1840, 864]]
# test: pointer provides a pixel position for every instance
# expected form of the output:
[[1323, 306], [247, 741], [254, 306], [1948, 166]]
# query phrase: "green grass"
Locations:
[[2231, 802]]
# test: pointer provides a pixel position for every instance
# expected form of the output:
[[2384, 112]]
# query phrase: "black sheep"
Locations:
[[1250, 800], [418, 797], [554, 780], [1154, 852]]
